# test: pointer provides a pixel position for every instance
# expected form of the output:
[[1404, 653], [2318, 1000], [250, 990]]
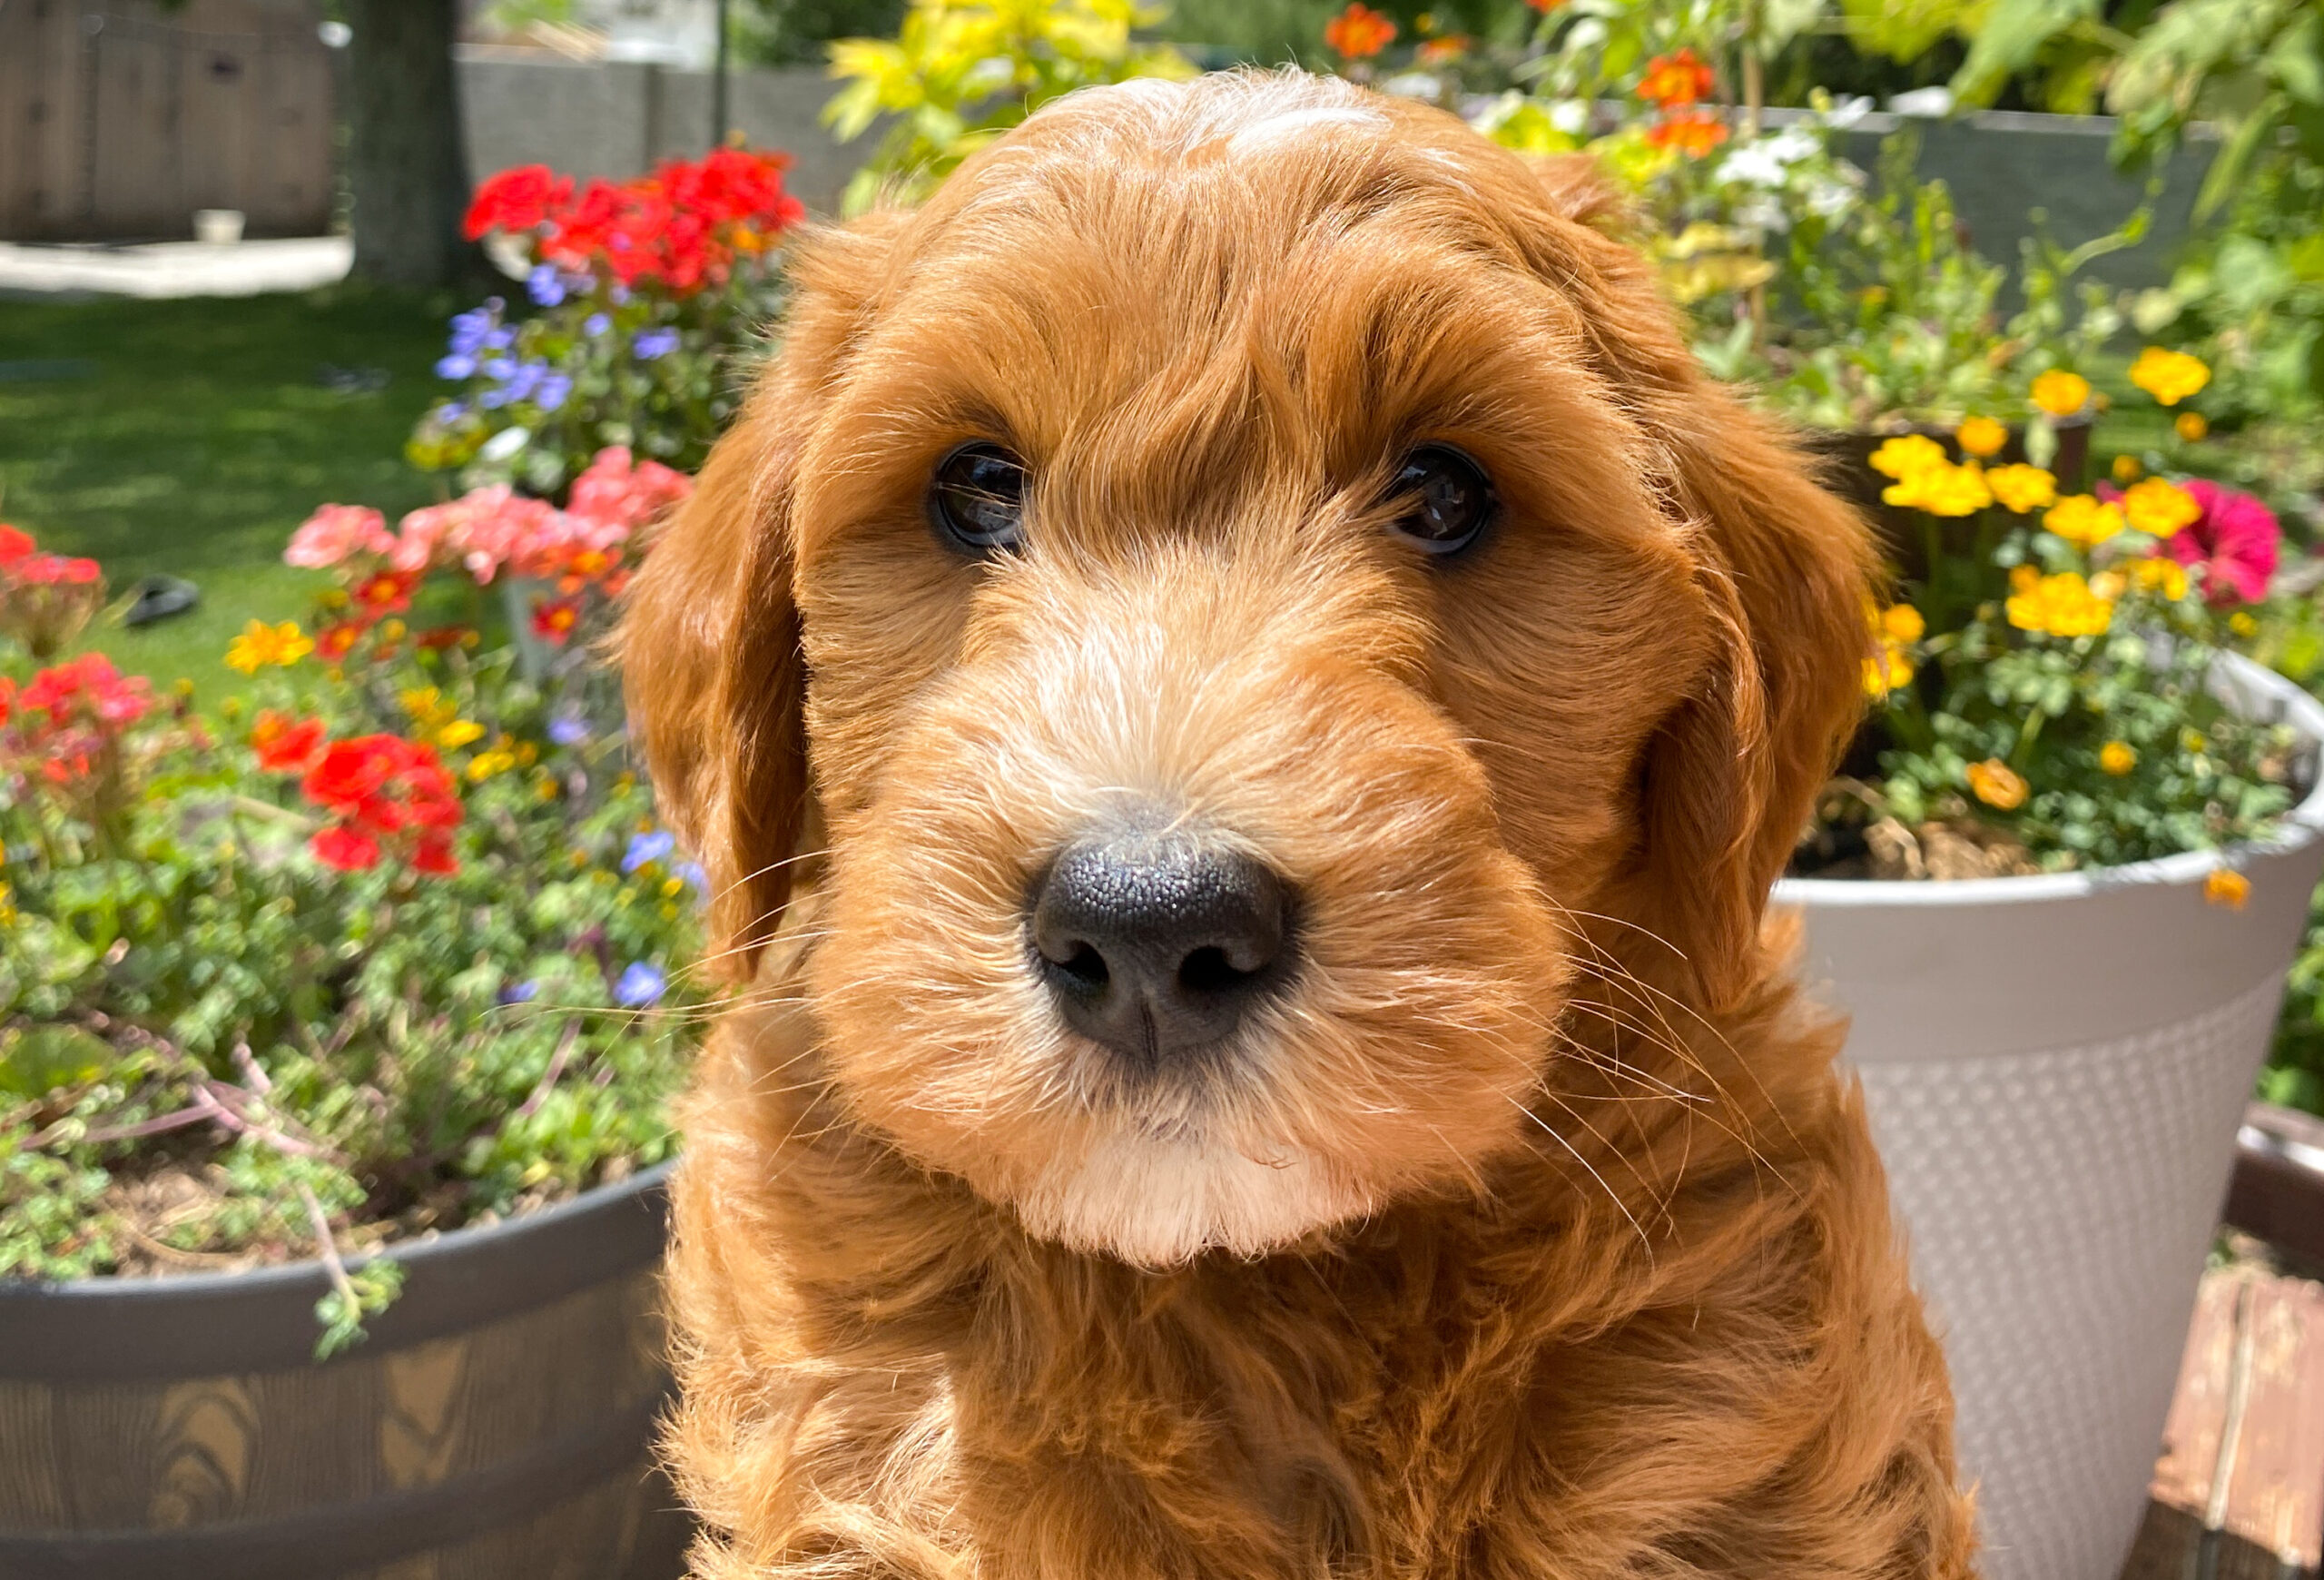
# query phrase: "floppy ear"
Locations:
[[709, 644], [1784, 568]]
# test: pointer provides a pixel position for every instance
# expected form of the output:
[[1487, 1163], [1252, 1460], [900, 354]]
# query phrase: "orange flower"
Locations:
[[1438, 50], [1545, 6], [2226, 886], [1359, 32], [1675, 79], [1693, 133], [1980, 437], [337, 641], [1997, 784]]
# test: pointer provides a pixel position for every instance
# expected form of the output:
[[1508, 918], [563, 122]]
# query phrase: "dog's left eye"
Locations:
[[1448, 499], [978, 498]]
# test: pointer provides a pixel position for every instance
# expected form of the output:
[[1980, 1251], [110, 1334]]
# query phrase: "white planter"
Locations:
[[2055, 1067]]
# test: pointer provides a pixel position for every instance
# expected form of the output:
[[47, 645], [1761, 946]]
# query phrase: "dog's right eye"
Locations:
[[978, 498]]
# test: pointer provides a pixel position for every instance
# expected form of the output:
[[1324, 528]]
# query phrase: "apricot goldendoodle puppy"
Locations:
[[1268, 695]]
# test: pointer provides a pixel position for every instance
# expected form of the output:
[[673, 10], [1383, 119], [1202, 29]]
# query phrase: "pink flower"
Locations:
[[2234, 542], [613, 497], [420, 534], [336, 531]]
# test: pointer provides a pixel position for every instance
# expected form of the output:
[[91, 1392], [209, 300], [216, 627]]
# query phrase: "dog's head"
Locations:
[[1236, 577]]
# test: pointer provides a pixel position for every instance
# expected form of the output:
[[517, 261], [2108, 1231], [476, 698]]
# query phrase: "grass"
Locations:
[[190, 437]]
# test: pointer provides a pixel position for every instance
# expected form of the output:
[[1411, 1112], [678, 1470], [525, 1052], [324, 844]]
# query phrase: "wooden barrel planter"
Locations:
[[497, 1422]]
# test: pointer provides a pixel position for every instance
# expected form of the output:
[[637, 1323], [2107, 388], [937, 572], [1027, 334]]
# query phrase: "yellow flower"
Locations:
[[1980, 437], [546, 787], [2061, 393], [485, 765], [393, 630], [2159, 507], [2022, 488], [427, 706], [1907, 456], [673, 887], [1902, 623], [2241, 623], [2159, 573], [2226, 886], [2169, 376], [2126, 468], [2118, 758], [261, 645], [1996, 785], [459, 732], [1942, 489], [1887, 671], [2083, 521], [2191, 741], [182, 687], [2191, 426], [2109, 584], [2059, 605]]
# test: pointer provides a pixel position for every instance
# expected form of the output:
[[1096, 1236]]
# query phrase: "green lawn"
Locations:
[[190, 437]]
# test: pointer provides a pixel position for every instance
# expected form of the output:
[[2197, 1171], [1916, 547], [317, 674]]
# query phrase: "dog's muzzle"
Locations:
[[1157, 944]]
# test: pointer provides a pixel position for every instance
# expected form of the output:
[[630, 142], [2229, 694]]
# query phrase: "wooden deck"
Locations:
[[2239, 1491]]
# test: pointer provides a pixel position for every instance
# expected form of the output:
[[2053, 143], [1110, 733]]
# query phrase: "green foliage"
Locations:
[[962, 72], [1905, 30], [1888, 317], [210, 1003]]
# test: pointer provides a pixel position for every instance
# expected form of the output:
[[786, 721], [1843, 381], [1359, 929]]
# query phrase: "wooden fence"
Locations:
[[119, 119]]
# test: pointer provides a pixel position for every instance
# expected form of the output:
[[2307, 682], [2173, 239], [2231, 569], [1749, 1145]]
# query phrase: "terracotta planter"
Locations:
[[497, 1422], [2056, 1069]]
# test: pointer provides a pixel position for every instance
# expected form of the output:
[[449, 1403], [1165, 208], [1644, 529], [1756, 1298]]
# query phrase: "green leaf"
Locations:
[[37, 1059]]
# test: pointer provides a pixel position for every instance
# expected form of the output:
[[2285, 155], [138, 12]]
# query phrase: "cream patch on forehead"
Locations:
[[1276, 130]]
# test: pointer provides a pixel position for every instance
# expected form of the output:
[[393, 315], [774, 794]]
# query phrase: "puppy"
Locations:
[[1268, 695]]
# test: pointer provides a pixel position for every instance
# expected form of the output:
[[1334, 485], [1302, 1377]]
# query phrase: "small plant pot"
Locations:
[[2056, 1068], [498, 1421], [218, 227]]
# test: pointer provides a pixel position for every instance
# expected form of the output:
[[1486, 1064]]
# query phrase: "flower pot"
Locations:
[[498, 1420], [2056, 1068]]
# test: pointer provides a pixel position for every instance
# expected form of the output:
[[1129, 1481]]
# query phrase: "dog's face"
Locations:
[[1241, 574]]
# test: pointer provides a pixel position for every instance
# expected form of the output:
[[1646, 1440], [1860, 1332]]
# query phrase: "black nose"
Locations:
[[1155, 944]]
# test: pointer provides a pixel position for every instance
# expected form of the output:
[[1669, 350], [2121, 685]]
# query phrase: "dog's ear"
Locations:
[[1784, 568], [709, 644]]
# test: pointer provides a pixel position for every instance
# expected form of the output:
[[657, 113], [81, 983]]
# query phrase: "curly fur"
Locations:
[[1533, 1232]]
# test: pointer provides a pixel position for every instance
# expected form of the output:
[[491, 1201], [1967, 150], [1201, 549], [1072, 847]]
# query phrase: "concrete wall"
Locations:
[[616, 118]]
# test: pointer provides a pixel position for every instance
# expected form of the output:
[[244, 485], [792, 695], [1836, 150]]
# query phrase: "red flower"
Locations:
[[336, 641], [385, 592], [14, 545], [283, 746], [88, 686], [1545, 6], [51, 569], [554, 622], [433, 854], [1676, 80], [438, 637], [1359, 32], [521, 199], [382, 787], [345, 848], [1693, 133]]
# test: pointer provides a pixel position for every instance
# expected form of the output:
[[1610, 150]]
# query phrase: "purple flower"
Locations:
[[500, 340], [655, 344], [554, 389], [568, 730], [519, 993], [617, 293], [640, 984], [501, 367], [650, 846], [596, 324], [544, 286], [451, 411], [457, 365], [469, 329], [692, 873], [525, 379]]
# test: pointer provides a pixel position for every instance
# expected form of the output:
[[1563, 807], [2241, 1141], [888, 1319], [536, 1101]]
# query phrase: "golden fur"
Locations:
[[1531, 1232]]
